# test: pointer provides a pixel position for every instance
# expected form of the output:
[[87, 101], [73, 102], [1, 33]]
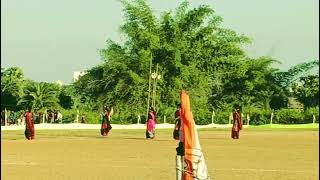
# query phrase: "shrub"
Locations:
[[92, 117], [289, 116], [68, 115], [259, 116], [221, 117], [309, 114]]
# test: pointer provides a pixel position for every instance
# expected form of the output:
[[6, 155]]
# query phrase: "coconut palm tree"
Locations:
[[40, 95]]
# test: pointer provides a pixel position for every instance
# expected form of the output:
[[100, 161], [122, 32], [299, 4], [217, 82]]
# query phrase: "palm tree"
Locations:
[[40, 95]]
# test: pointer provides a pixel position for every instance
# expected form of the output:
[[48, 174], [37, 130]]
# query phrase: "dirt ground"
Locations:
[[259, 154]]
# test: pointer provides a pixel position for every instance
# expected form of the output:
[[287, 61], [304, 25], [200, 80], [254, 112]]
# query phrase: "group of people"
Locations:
[[11, 118], [177, 135], [150, 131], [184, 131], [18, 118]]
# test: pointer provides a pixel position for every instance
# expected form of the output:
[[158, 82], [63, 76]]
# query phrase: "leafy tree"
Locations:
[[12, 80], [40, 95], [187, 45], [65, 97], [307, 91], [192, 51], [287, 78]]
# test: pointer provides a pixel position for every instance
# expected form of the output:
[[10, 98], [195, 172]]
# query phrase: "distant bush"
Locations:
[[68, 115], [309, 115], [92, 117], [259, 116], [221, 117], [289, 116]]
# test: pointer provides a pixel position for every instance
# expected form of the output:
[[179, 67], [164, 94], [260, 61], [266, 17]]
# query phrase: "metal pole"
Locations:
[[5, 116], [212, 117], [155, 87], [148, 104], [230, 118]]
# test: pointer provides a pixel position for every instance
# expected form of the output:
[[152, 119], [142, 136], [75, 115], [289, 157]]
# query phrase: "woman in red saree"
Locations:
[[105, 125], [177, 124], [237, 123], [29, 132]]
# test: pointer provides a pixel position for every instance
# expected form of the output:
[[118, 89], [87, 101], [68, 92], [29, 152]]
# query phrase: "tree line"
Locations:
[[190, 50]]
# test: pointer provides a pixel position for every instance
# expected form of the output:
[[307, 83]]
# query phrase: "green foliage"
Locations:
[[92, 117], [222, 117], [307, 92], [12, 80], [65, 97], [309, 114], [69, 115], [294, 73], [289, 116], [259, 116], [40, 95], [187, 45], [192, 51]]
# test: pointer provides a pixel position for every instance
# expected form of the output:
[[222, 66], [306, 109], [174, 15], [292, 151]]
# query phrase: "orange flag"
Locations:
[[195, 166]]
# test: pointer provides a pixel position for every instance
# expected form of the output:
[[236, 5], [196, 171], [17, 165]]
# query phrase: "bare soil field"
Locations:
[[259, 154]]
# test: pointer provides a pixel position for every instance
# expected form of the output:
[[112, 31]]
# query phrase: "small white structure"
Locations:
[[77, 75], [59, 82]]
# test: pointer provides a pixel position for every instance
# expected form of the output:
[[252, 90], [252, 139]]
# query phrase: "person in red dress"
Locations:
[[105, 117], [177, 127], [237, 122], [29, 132], [151, 123]]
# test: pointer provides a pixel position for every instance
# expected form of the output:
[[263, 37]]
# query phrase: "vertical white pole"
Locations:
[[313, 119], [5, 116], [271, 118], [179, 168], [77, 117], [155, 87], [212, 117], [148, 103]]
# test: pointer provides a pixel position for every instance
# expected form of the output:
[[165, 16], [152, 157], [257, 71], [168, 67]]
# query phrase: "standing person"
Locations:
[[2, 118], [151, 124], [178, 135], [237, 122], [105, 118], [34, 116], [29, 132], [13, 117], [177, 124]]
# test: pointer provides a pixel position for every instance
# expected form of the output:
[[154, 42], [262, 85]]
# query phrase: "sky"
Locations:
[[50, 39]]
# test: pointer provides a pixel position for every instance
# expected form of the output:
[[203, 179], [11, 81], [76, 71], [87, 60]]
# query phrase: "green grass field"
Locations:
[[259, 154]]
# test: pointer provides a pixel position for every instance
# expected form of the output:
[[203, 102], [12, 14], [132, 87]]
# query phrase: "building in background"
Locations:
[[77, 75], [59, 82]]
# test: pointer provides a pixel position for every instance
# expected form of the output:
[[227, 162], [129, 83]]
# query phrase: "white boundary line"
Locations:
[[98, 126]]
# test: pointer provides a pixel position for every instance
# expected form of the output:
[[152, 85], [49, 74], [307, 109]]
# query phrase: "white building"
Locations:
[[59, 82], [77, 75]]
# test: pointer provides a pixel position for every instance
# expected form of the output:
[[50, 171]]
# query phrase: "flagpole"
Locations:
[[148, 104]]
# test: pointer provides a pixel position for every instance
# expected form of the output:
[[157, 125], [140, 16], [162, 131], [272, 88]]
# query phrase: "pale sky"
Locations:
[[49, 39]]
